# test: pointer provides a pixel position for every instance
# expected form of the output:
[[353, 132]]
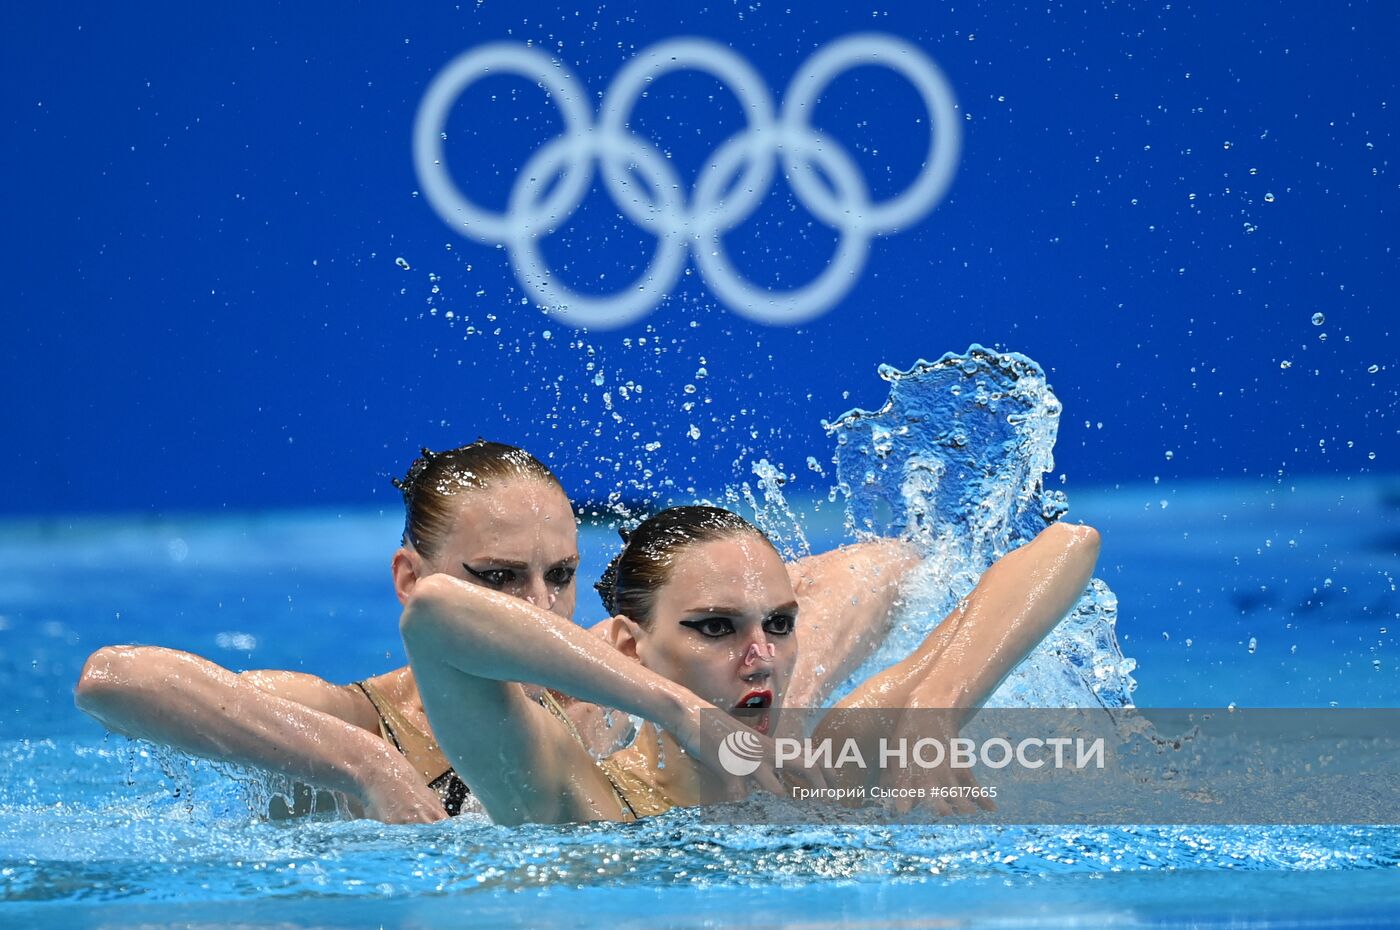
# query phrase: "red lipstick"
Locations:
[[753, 709]]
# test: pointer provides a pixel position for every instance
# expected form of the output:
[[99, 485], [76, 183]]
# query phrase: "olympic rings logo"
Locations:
[[734, 180]]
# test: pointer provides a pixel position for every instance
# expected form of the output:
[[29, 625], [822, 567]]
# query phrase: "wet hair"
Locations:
[[436, 478], [632, 580]]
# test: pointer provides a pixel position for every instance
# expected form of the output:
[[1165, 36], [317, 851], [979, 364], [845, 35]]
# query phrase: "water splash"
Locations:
[[771, 513], [957, 453], [955, 462]]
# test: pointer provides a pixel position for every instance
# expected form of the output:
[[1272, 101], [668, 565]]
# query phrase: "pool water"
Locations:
[[98, 831]]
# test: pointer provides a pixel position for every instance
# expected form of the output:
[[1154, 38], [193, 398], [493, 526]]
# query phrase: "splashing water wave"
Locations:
[[955, 462]]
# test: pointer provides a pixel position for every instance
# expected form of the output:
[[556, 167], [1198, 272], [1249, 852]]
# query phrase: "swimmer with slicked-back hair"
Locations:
[[491, 518], [705, 646]]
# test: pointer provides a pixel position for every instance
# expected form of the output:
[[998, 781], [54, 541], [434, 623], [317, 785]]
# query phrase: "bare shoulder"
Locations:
[[866, 564]]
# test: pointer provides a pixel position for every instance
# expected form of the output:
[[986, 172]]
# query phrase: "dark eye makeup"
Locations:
[[779, 624], [712, 627], [560, 575], [491, 577], [715, 627]]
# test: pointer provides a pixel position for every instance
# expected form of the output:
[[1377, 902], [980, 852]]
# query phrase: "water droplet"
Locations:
[[1285, 364], [1170, 455], [1318, 319], [1373, 369], [1269, 198], [1253, 645], [401, 262]]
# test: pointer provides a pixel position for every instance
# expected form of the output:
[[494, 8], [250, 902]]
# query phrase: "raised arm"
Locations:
[[845, 599], [1015, 604], [195, 706], [469, 646], [958, 666]]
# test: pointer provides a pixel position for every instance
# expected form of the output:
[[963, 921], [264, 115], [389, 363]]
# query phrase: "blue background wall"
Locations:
[[203, 209]]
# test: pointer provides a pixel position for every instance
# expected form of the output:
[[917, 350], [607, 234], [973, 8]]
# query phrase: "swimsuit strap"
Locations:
[[551, 703], [386, 731], [397, 729]]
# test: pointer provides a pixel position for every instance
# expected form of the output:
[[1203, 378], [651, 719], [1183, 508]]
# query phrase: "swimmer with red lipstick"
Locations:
[[703, 643]]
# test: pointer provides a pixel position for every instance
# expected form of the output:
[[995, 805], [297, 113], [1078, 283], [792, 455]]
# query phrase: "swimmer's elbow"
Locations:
[[1090, 543], [1077, 550], [1079, 538], [417, 613], [109, 673], [1087, 538], [428, 609]]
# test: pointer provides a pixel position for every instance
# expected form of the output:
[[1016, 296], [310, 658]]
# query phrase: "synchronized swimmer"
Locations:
[[703, 644], [505, 697], [490, 518]]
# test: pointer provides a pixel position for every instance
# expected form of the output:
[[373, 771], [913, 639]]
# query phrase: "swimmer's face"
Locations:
[[517, 537], [724, 625]]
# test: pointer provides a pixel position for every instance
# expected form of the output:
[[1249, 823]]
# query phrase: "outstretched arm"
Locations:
[[846, 598], [1015, 604], [192, 705]]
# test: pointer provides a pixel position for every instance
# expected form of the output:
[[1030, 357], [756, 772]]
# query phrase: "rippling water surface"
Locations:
[[1276, 594]]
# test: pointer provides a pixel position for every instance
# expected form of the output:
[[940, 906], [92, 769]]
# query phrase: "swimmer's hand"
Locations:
[[704, 728], [392, 792]]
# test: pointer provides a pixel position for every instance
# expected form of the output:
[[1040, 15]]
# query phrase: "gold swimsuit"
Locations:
[[420, 749], [636, 797]]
